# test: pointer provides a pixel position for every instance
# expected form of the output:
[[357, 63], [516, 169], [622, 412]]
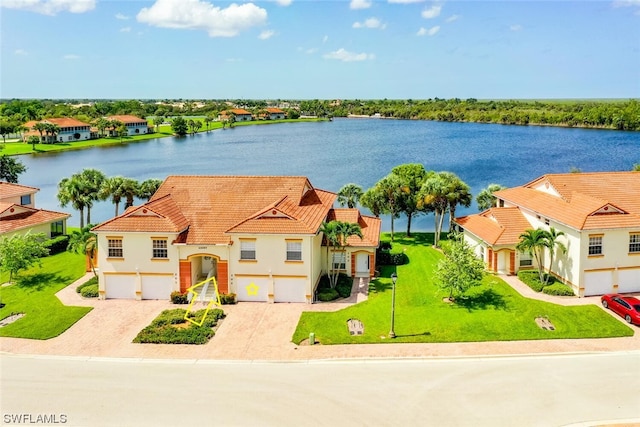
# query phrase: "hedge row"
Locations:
[[553, 287]]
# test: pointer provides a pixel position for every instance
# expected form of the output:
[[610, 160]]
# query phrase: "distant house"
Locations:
[[135, 125], [259, 236], [240, 114], [18, 213], [276, 114], [70, 129], [599, 214]]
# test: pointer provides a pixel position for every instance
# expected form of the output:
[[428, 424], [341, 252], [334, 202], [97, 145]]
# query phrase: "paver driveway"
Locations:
[[259, 331]]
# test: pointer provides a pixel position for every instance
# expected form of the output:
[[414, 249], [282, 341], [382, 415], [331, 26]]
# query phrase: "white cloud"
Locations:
[[432, 12], [121, 17], [515, 27], [452, 18], [370, 23], [201, 15], [346, 56], [50, 7], [430, 32], [266, 34], [125, 29], [71, 56], [406, 1], [284, 2], [21, 52], [359, 4]]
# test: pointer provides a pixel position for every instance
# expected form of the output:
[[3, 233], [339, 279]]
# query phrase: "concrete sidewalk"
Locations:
[[259, 331]]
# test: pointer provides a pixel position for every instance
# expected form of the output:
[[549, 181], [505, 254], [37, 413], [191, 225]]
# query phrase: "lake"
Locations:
[[335, 153]]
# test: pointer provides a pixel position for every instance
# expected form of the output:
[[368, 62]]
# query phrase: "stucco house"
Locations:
[[259, 236], [599, 214], [135, 125], [240, 114], [275, 113], [70, 129], [18, 214]]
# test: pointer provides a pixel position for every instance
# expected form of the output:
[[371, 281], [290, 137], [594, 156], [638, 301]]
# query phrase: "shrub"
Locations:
[[327, 295], [531, 279], [228, 298], [163, 330], [385, 246], [390, 258], [57, 244], [559, 289], [90, 291], [92, 281], [178, 297], [344, 286]]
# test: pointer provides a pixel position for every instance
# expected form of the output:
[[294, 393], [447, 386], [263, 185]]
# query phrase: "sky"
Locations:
[[319, 49]]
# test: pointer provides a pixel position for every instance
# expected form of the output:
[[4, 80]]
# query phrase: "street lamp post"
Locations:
[[394, 278]]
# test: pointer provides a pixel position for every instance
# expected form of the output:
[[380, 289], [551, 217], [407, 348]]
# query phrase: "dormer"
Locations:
[[608, 209]]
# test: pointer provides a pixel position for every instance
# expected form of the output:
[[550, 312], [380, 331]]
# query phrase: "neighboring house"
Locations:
[[240, 114], [70, 130], [135, 125], [599, 214], [276, 114], [258, 236], [18, 214]]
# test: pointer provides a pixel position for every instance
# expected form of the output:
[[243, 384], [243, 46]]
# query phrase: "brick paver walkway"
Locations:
[[259, 331]]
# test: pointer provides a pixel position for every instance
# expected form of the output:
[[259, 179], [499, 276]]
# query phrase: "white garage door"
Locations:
[[629, 280], [157, 287], [598, 283], [120, 286], [290, 290], [252, 289]]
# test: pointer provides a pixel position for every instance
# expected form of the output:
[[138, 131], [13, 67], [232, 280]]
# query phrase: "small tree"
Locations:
[[485, 197], [337, 234], [84, 242], [179, 126], [33, 140], [10, 169], [460, 269], [350, 195], [534, 242], [21, 251]]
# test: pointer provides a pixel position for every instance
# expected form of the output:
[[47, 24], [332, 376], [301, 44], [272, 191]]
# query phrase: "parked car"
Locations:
[[627, 307]]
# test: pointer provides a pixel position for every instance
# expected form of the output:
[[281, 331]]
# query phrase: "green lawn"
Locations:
[[34, 294], [491, 312]]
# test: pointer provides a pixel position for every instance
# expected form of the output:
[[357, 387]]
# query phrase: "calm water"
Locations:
[[335, 153]]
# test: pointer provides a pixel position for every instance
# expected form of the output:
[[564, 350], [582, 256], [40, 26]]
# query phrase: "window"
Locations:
[[115, 248], [595, 245], [57, 228], [248, 249], [634, 243], [160, 248], [339, 261], [294, 251], [25, 200], [525, 259]]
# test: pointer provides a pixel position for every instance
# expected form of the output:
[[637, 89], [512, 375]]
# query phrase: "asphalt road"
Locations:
[[554, 390]]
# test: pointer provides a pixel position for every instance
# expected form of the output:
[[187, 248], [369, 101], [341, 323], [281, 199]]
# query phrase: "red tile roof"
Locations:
[[369, 225], [15, 217], [238, 111], [215, 206], [496, 226], [127, 119], [275, 110], [8, 190], [63, 122]]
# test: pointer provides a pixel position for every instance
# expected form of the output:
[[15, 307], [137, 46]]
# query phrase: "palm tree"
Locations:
[[534, 242], [207, 121], [350, 195], [372, 200], [70, 191], [390, 192], [337, 234], [129, 191], [84, 242], [33, 140], [148, 188], [485, 197], [112, 187], [459, 194], [41, 127], [53, 130], [92, 180], [158, 121], [434, 195], [101, 123], [636, 167], [329, 231], [552, 241]]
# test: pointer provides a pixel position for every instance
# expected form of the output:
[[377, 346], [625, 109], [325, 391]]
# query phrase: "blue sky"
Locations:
[[301, 49]]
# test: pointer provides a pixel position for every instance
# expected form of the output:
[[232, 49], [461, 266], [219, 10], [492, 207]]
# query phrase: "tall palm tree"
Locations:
[[329, 231], [148, 188], [70, 192], [485, 197], [130, 189], [434, 196], [350, 195], [84, 242], [337, 234], [112, 188], [53, 130], [41, 127], [91, 180], [552, 241], [101, 123], [534, 242], [459, 194]]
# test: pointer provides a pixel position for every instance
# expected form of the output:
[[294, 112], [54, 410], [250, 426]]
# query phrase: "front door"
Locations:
[[362, 264]]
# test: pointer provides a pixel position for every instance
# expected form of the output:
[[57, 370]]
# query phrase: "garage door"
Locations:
[[157, 287], [120, 286], [290, 290], [629, 281], [252, 288], [598, 282]]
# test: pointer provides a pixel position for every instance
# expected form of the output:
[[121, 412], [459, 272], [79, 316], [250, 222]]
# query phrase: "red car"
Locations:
[[627, 307]]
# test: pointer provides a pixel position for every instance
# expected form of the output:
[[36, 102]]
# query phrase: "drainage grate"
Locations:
[[355, 327]]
